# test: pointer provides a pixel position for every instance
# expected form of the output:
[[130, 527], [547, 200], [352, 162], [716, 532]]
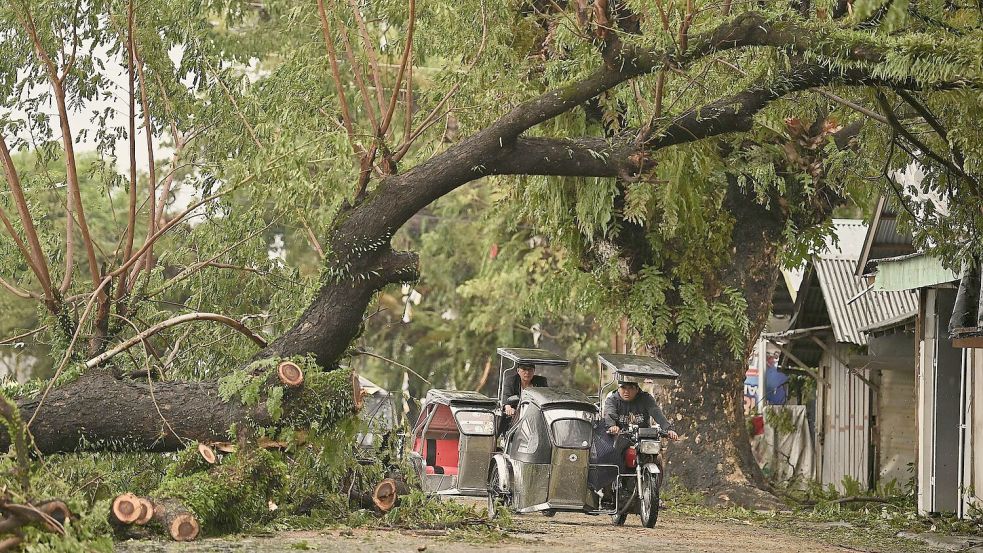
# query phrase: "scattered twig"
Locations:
[[14, 339], [398, 364]]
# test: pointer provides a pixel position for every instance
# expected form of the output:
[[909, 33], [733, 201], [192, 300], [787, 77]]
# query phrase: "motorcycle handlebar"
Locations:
[[631, 432]]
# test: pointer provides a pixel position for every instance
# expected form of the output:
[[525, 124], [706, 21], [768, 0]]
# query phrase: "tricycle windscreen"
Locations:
[[476, 423], [571, 428], [572, 433]]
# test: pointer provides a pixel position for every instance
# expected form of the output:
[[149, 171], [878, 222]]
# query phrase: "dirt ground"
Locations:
[[566, 533]]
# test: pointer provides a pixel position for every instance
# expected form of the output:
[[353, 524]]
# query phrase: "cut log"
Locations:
[[55, 509], [75, 413], [177, 520], [208, 454], [290, 374], [146, 511], [225, 497], [48, 515], [225, 447], [126, 508], [384, 495]]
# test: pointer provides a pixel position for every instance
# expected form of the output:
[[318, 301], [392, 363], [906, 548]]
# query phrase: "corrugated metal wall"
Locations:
[[897, 414], [846, 422]]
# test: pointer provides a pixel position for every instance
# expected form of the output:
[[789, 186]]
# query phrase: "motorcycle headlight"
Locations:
[[650, 447]]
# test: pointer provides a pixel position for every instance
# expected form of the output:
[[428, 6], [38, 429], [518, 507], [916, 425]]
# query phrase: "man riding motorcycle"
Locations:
[[631, 405]]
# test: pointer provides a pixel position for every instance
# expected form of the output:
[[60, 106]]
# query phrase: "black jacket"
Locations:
[[513, 385], [618, 412]]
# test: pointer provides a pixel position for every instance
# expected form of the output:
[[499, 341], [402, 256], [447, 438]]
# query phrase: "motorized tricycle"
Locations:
[[557, 456], [454, 436], [453, 439]]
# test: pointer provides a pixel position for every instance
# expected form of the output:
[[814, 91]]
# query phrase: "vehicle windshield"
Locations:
[[476, 423], [571, 428]]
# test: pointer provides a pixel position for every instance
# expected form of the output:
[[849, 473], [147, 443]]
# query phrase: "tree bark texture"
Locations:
[[707, 402], [100, 411]]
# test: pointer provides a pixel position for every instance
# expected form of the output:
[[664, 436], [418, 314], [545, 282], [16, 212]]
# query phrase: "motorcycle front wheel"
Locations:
[[649, 500]]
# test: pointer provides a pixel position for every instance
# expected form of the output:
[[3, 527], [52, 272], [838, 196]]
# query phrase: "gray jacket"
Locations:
[[618, 412]]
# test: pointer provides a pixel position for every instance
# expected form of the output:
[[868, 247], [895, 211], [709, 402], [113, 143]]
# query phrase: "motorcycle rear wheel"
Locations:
[[649, 500], [627, 506]]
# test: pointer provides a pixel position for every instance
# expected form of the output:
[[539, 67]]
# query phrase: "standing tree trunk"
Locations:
[[707, 403]]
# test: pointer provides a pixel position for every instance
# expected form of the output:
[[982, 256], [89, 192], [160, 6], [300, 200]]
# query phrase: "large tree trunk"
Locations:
[[707, 403], [99, 411]]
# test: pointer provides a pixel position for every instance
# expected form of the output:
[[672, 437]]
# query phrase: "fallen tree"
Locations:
[[101, 407]]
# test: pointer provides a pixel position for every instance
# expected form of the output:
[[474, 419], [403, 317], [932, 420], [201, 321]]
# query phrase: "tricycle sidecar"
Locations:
[[453, 441], [546, 459]]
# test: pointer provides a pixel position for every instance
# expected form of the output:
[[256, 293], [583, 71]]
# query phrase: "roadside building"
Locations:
[[847, 336], [947, 352]]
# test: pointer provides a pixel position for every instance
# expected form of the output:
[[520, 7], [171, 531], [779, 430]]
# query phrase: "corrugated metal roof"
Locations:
[[884, 237], [888, 232], [839, 285]]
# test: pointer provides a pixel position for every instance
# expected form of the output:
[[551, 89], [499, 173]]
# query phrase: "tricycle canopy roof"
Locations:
[[460, 398], [636, 367], [530, 355], [557, 397]]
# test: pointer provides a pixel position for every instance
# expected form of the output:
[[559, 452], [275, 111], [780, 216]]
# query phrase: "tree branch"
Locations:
[[412, 135], [75, 199], [924, 148], [25, 294], [28, 334], [228, 321], [35, 257], [131, 214], [404, 62], [346, 116], [373, 57], [473, 157], [151, 165], [958, 159]]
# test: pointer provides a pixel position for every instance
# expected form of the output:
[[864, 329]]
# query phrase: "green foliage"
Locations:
[[231, 496], [417, 510]]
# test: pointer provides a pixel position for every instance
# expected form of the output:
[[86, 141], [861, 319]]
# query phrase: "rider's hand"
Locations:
[[509, 410], [614, 430], [673, 436]]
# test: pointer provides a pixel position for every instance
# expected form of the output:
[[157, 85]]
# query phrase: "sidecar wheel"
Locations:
[[496, 497], [619, 519]]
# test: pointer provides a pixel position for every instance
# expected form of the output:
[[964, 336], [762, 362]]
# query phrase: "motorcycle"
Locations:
[[637, 488]]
